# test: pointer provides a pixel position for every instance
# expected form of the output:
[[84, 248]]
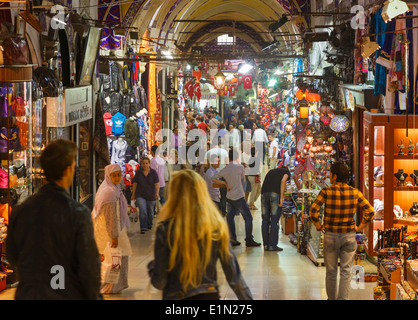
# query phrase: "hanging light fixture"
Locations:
[[340, 123], [393, 8], [219, 80]]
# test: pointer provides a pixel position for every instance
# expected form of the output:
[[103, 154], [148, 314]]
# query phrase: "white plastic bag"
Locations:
[[111, 264]]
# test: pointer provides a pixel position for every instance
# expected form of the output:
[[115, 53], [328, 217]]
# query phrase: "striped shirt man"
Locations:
[[341, 203]]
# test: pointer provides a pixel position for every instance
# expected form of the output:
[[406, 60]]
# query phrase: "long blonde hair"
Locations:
[[194, 222]]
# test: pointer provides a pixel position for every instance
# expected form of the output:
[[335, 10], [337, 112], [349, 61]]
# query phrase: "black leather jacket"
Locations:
[[51, 229], [169, 281]]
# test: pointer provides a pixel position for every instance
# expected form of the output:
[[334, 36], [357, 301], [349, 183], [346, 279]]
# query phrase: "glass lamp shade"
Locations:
[[288, 127], [325, 120], [313, 97], [340, 123], [304, 112], [219, 80]]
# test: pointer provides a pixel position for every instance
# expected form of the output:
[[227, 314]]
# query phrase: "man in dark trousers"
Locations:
[[50, 240], [272, 192]]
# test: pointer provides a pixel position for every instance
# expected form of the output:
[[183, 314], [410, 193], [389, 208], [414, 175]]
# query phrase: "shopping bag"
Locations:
[[111, 264]]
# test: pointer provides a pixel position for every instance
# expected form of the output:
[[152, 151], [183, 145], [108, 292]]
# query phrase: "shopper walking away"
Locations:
[[158, 164], [341, 203], [51, 231], [273, 151], [272, 196], [145, 191], [191, 236], [111, 221], [234, 176], [260, 140], [254, 177], [213, 188]]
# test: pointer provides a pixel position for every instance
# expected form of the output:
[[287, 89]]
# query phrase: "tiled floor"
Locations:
[[286, 275]]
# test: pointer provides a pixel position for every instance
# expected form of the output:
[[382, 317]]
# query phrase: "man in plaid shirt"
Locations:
[[341, 202]]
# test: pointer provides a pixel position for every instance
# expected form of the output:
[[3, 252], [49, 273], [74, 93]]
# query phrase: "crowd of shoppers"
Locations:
[[195, 226]]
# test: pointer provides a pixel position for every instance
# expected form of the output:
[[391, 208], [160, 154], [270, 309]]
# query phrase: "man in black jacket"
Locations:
[[50, 239]]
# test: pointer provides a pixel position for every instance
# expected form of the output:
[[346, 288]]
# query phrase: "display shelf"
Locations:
[[406, 222], [393, 278]]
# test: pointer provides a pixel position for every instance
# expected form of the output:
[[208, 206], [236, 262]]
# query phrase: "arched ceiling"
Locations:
[[197, 22]]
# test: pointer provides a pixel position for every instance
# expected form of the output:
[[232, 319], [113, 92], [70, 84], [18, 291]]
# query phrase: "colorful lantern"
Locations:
[[340, 123]]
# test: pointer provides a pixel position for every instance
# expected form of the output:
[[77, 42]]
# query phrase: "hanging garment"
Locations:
[[116, 78], [118, 124], [110, 146], [107, 117], [126, 105], [131, 154], [102, 129], [143, 97], [133, 105], [118, 153], [132, 133]]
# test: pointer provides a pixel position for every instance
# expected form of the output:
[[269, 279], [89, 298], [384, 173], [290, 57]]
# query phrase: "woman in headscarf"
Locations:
[[110, 221]]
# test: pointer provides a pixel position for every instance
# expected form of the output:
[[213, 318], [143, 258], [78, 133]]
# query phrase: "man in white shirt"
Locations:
[[273, 151], [260, 140], [158, 164]]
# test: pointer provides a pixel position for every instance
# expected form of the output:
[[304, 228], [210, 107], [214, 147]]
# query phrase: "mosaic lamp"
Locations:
[[340, 123]]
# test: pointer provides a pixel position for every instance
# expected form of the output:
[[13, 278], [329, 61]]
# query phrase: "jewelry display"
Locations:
[[397, 210], [401, 146], [411, 148], [401, 176]]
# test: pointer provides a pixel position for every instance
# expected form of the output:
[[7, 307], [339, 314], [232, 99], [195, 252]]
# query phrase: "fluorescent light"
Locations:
[[167, 54], [279, 72], [272, 96], [59, 21], [272, 82], [245, 68]]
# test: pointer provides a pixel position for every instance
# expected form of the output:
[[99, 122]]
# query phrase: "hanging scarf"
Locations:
[[108, 192]]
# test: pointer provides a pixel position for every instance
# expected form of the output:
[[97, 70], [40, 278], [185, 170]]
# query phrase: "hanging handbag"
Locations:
[[18, 106], [5, 109], [15, 51], [9, 140]]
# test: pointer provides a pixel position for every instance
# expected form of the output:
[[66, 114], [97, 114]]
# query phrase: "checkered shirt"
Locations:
[[341, 203]]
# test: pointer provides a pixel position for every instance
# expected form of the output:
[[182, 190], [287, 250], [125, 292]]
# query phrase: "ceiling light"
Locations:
[[219, 80], [368, 48], [393, 8], [279, 72], [272, 82], [244, 68]]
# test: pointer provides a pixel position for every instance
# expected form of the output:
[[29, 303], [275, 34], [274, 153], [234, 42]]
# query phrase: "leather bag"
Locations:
[[15, 51]]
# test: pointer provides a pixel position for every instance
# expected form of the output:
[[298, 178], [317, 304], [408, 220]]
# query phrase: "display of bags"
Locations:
[[18, 106], [15, 51], [111, 265], [9, 140]]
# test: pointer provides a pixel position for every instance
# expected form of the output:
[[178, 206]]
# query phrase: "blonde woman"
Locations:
[[191, 235]]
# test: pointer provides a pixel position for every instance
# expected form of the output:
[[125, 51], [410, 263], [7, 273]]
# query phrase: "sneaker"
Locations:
[[276, 248], [252, 243], [235, 243]]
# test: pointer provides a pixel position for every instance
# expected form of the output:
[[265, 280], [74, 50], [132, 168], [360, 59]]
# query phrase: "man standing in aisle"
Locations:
[[273, 151], [272, 196], [341, 202], [50, 238], [234, 175], [260, 140], [158, 164]]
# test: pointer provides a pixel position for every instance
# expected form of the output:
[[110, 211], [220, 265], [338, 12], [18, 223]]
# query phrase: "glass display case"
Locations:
[[374, 131]]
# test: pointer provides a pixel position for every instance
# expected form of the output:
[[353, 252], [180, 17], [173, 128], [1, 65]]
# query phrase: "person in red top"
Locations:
[[202, 126]]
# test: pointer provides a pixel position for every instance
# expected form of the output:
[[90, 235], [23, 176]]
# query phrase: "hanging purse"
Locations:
[[15, 51], [9, 140], [5, 109], [18, 106]]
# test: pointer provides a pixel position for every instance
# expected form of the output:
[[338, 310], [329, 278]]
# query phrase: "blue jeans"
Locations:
[[270, 214], [341, 246], [234, 207], [146, 213], [161, 195]]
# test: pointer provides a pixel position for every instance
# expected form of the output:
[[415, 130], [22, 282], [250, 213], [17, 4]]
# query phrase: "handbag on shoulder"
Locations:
[[15, 51]]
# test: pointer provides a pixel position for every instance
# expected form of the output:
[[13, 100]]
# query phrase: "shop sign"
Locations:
[[76, 106], [361, 96], [208, 96], [172, 93]]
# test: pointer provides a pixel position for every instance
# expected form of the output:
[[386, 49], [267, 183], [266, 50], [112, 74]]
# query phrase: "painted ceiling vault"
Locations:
[[198, 22]]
